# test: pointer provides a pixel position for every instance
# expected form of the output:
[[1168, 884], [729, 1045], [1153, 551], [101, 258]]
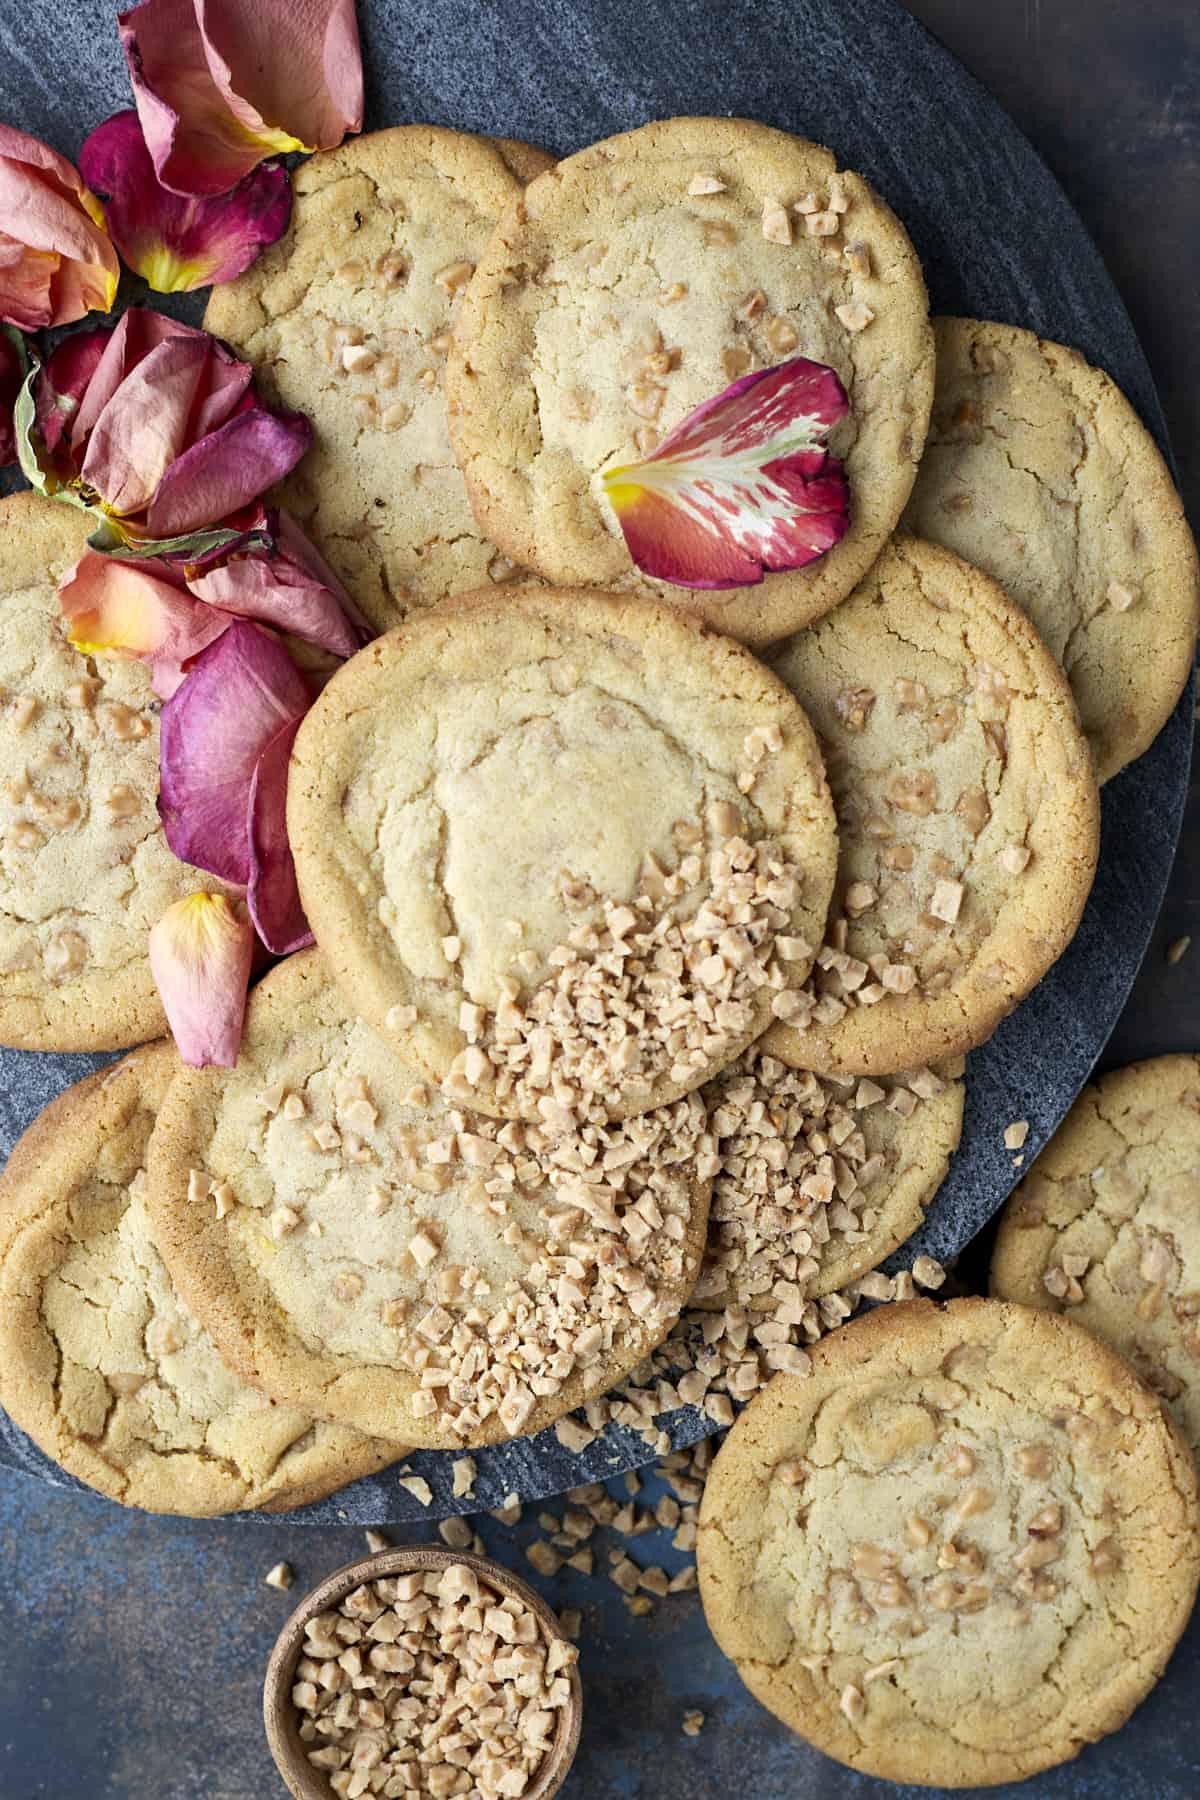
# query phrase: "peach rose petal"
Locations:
[[177, 243], [141, 610], [200, 956], [56, 260], [215, 96], [742, 485]]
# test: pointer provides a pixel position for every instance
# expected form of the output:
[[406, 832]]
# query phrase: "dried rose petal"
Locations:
[[200, 955], [219, 85], [177, 243], [142, 609], [742, 485], [272, 894], [239, 694], [62, 383], [12, 375], [289, 587], [56, 262]]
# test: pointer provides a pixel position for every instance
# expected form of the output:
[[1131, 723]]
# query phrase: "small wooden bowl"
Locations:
[[281, 1719]]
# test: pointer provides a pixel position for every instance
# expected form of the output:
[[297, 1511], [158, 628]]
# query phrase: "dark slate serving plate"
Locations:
[[998, 239]]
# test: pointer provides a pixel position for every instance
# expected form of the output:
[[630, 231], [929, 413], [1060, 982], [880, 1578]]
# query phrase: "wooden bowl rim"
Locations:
[[279, 1715]]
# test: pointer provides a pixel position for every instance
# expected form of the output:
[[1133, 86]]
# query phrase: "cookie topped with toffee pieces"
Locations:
[[568, 853], [959, 1550]]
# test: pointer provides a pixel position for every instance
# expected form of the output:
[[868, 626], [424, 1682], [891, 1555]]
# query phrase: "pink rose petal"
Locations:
[[290, 588], [742, 485], [241, 691], [227, 469], [215, 95], [56, 261], [174, 242], [200, 956], [138, 331], [272, 894], [145, 426]]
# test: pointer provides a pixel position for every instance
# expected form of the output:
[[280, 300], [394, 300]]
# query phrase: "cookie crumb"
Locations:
[[693, 1724], [927, 1272], [418, 1487], [377, 1541], [281, 1576], [1016, 1134]]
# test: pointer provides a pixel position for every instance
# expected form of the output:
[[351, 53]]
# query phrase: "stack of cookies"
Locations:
[[652, 922]]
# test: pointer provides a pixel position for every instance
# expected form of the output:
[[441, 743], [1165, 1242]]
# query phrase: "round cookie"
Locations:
[[1038, 470], [613, 299], [85, 870], [563, 849], [100, 1362], [347, 318], [819, 1178], [1106, 1226], [959, 1551], [967, 807], [418, 1270]]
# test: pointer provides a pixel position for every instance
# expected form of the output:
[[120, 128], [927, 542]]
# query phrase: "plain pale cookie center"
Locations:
[[579, 789]]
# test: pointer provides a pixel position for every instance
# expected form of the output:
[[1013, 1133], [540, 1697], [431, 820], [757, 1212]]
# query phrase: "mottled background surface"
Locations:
[[132, 1660]]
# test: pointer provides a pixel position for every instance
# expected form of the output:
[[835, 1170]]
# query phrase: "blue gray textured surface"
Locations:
[[998, 239], [134, 1646]]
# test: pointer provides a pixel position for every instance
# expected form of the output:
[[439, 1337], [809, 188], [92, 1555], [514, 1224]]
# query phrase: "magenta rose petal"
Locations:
[[174, 242], [62, 383], [239, 694], [227, 469], [200, 956], [12, 377], [272, 894], [741, 486]]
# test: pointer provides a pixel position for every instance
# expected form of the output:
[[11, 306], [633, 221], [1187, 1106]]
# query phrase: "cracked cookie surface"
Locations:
[[640, 277], [348, 318], [1106, 1226], [959, 1551], [1038, 470], [818, 1179], [85, 870], [967, 809], [404, 1266], [101, 1362], [501, 817]]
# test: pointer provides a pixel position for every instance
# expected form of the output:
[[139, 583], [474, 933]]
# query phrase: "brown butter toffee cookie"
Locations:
[[569, 853], [348, 318], [818, 1180], [403, 1265], [100, 1361], [1106, 1226], [967, 809], [637, 279], [958, 1551], [85, 870], [1039, 471]]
